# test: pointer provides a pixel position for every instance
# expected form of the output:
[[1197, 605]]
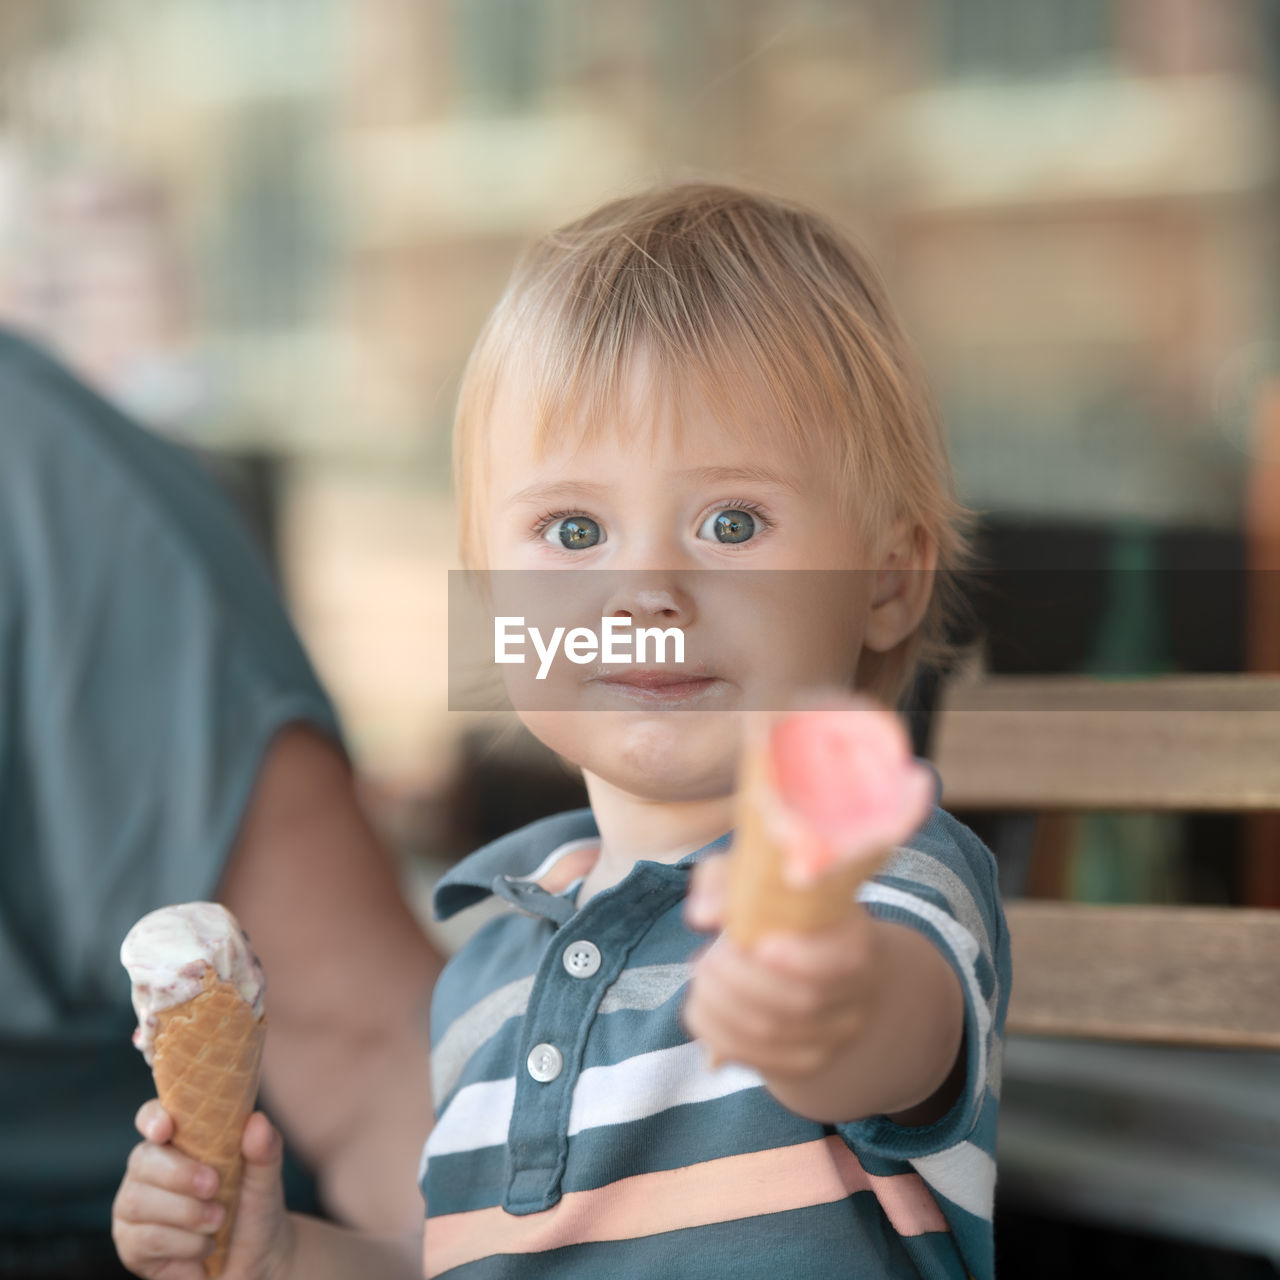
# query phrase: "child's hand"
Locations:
[[793, 1006], [164, 1217], [863, 1018]]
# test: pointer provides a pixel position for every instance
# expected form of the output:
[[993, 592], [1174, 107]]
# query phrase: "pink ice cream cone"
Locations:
[[824, 796]]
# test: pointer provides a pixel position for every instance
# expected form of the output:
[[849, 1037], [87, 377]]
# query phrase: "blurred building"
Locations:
[[1086, 241], [277, 225]]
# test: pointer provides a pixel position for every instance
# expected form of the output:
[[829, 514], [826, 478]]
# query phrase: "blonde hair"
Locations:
[[747, 301]]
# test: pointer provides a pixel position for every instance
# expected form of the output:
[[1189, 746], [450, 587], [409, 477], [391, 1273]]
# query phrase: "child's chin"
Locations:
[[675, 758], [658, 756]]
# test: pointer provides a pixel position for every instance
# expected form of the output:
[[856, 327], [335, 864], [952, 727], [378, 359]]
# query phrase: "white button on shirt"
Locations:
[[545, 1062], [581, 959]]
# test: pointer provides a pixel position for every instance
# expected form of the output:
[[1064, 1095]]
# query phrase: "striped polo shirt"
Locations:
[[580, 1133]]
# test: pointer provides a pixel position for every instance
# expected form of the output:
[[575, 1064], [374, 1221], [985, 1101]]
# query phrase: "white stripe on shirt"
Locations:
[[965, 1174], [640, 1086], [962, 944]]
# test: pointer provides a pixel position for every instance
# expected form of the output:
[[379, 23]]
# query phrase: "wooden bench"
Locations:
[[1183, 1142], [1186, 975]]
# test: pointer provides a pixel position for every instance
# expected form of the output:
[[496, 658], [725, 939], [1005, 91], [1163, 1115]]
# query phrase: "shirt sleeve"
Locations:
[[944, 886], [146, 662]]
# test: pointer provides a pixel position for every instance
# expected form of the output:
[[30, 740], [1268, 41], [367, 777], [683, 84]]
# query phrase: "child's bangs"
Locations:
[[652, 358]]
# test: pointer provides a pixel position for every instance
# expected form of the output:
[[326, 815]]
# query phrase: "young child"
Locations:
[[694, 378]]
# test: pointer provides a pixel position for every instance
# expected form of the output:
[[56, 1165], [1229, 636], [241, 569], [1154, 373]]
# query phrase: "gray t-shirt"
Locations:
[[145, 664]]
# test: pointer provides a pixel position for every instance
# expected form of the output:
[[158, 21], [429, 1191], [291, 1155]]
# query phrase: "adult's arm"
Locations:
[[349, 975]]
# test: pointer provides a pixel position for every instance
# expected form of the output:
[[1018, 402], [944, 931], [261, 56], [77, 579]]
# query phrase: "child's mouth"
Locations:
[[658, 687]]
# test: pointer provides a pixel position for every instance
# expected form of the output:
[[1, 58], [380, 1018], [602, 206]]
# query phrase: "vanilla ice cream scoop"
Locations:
[[168, 953]]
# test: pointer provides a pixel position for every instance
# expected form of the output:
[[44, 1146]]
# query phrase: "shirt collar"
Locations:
[[518, 855]]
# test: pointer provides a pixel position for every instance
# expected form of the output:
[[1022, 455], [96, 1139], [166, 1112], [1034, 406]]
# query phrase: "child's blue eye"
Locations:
[[574, 533], [729, 526]]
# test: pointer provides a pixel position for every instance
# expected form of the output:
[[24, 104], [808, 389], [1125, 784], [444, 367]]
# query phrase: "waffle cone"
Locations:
[[760, 899], [208, 1053]]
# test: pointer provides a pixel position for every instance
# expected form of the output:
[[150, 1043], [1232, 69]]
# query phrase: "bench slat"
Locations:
[[1076, 743], [1173, 975]]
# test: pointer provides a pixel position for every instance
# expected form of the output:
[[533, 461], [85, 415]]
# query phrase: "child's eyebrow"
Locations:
[[585, 491], [741, 475], [558, 490]]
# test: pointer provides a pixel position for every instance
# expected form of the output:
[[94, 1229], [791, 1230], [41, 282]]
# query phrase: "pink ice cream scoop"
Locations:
[[825, 793], [847, 783]]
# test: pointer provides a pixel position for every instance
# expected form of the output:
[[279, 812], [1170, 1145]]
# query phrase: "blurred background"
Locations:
[[272, 228]]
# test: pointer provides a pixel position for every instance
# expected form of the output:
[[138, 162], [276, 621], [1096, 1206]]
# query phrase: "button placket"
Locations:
[[557, 1020]]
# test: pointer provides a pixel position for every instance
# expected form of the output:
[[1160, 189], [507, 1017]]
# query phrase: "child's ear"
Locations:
[[903, 586]]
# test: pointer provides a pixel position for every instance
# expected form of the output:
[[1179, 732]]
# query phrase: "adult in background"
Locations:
[[162, 739]]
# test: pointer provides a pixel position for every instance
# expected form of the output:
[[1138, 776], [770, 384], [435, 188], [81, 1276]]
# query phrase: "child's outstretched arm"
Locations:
[[845, 1015], [164, 1217], [863, 1018]]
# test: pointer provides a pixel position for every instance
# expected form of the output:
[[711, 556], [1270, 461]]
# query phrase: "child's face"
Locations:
[[656, 509]]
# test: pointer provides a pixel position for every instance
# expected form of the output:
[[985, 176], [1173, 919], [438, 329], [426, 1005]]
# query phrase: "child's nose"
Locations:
[[647, 600]]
